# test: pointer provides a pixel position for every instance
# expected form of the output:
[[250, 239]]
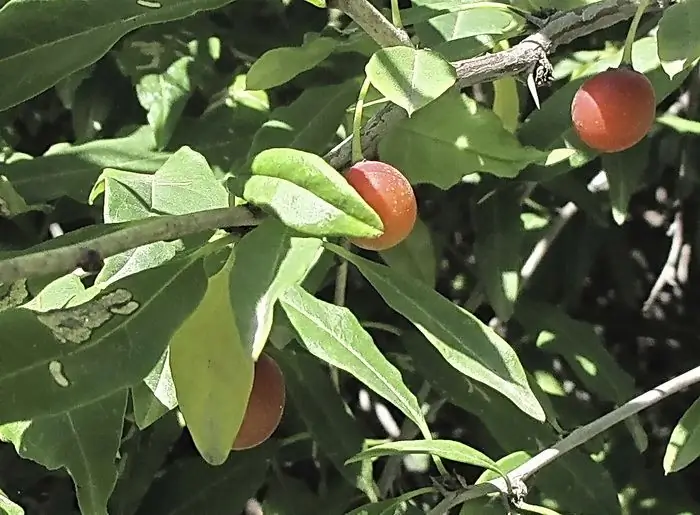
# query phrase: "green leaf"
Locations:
[[71, 170], [269, 259], [318, 3], [448, 449], [625, 173], [11, 202], [415, 256], [84, 441], [184, 184], [190, 485], [333, 334], [684, 445], [7, 507], [395, 506], [36, 51], [574, 480], [320, 406], [579, 344], [280, 65], [86, 352], [462, 339], [310, 122], [213, 376], [164, 97], [453, 137], [678, 47], [144, 455], [679, 124], [497, 248], [308, 195], [408, 77], [155, 395]]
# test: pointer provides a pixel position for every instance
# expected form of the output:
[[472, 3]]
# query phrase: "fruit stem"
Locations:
[[396, 14], [357, 122], [631, 34]]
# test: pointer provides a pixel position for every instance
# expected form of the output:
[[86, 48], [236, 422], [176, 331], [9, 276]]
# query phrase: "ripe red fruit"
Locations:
[[390, 194], [614, 110], [265, 405]]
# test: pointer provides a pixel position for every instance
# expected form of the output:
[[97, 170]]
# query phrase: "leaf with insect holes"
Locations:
[[463, 340], [333, 334], [309, 195], [410, 78], [684, 445]]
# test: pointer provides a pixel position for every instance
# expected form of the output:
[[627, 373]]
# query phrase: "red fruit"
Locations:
[[614, 110], [390, 194], [265, 405]]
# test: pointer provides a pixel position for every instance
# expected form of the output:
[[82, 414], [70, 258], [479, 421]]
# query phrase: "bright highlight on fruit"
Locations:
[[614, 110], [390, 194], [265, 405]]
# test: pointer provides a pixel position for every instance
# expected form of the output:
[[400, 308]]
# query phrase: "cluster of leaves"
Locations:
[[183, 106]]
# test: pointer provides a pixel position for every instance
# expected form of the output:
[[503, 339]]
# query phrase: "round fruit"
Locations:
[[265, 405], [390, 194], [614, 110]]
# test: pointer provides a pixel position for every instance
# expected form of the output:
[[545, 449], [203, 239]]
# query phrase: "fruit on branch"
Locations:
[[265, 405], [614, 110], [390, 194]]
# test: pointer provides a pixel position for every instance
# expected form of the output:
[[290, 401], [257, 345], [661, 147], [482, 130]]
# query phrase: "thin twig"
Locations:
[[566, 213], [560, 29], [577, 438], [668, 272], [373, 22], [134, 234]]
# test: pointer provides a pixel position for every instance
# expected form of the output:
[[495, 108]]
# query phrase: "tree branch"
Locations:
[[90, 252], [530, 55], [578, 437], [373, 22]]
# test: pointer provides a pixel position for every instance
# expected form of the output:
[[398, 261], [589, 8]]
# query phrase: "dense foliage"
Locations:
[[285, 257]]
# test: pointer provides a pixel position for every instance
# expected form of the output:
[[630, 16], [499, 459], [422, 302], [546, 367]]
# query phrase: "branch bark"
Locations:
[[530, 55], [373, 22], [87, 253]]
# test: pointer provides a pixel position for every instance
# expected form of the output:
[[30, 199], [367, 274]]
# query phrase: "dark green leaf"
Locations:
[[684, 445], [415, 256], [190, 485], [84, 441], [143, 455], [310, 122], [269, 259], [583, 350], [497, 249], [36, 51], [625, 172], [463, 340], [280, 65], [453, 137], [320, 406]]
